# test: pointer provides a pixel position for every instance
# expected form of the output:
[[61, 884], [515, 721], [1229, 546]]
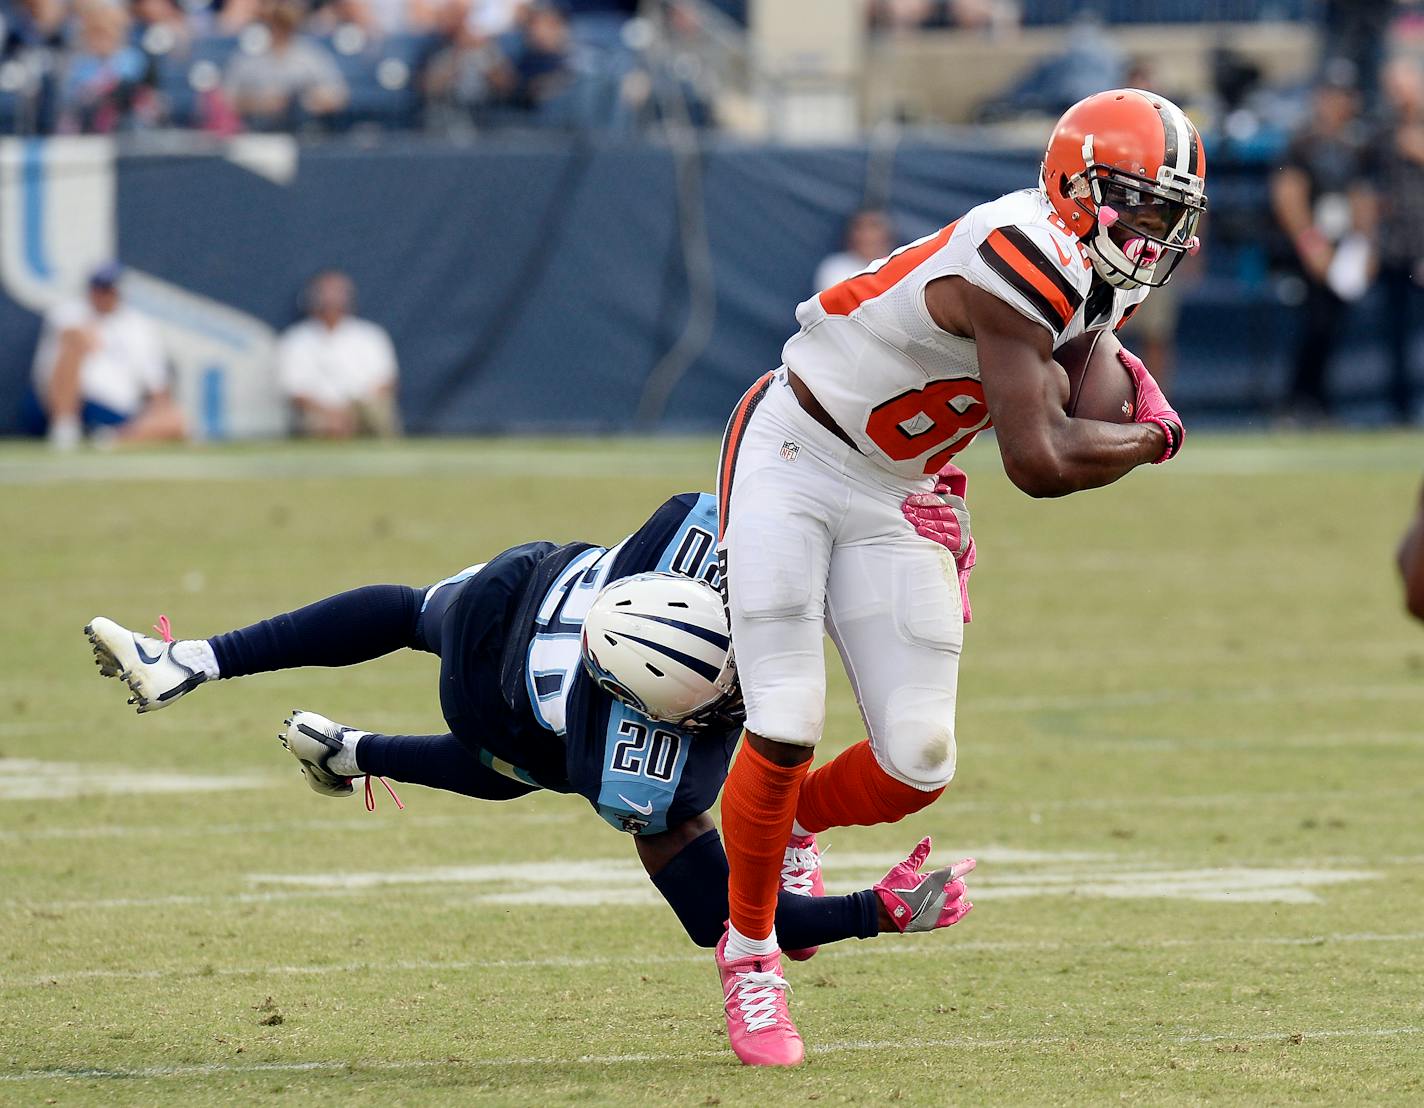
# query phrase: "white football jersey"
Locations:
[[907, 392]]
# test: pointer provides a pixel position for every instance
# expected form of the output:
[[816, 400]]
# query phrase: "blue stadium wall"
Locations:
[[538, 287]]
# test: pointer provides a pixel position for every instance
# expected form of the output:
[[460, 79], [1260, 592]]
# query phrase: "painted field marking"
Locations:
[[32, 779], [613, 882], [1295, 1036], [1012, 873], [365, 822], [892, 947]]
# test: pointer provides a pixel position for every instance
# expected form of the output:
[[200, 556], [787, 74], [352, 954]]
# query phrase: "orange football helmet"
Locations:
[[1126, 171]]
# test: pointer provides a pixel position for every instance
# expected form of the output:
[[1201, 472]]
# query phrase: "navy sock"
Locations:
[[694, 884], [341, 630], [438, 762]]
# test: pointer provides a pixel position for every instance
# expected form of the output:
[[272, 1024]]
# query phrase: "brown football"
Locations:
[[1099, 386]]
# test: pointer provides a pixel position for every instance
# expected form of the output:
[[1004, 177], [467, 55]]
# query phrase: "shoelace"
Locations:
[[758, 998], [798, 869], [165, 628], [371, 794]]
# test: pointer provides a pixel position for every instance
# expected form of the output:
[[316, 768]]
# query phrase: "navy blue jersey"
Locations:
[[538, 717]]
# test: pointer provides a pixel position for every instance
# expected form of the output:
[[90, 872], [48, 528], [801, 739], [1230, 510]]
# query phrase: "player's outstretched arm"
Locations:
[[1410, 559], [688, 866], [1045, 452]]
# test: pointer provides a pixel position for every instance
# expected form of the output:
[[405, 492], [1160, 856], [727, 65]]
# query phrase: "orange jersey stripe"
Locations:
[[850, 294], [731, 443], [1007, 252]]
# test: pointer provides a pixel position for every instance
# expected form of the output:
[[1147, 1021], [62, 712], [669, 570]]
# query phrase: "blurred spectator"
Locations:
[[902, 15], [328, 15], [487, 19], [103, 86], [1323, 202], [161, 26], [464, 76], [1399, 179], [538, 57], [504, 53], [1355, 33], [32, 23], [290, 80], [338, 371], [100, 368], [1089, 62], [868, 238]]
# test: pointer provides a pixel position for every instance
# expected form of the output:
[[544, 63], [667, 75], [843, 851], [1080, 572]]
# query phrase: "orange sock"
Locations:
[[758, 805], [853, 791]]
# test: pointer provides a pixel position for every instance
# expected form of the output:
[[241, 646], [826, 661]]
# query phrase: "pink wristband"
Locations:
[[1171, 438]]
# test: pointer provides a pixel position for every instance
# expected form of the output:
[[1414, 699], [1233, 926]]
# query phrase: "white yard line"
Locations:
[[605, 881], [887, 947], [34, 779], [846, 1046]]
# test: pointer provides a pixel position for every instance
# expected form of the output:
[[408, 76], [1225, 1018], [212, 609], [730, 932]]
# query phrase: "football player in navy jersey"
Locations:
[[605, 672]]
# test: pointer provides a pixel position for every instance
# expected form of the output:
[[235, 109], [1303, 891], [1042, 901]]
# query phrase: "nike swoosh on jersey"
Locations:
[[641, 809], [1062, 257]]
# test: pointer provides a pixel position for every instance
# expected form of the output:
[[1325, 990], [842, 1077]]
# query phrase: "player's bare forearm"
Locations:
[[1084, 454], [1410, 559], [1046, 453]]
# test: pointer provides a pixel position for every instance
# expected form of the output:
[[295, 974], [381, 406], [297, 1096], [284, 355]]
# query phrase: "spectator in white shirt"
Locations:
[[338, 371], [100, 367], [868, 237]]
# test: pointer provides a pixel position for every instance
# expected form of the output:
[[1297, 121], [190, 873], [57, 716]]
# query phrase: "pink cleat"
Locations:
[[758, 1022], [919, 901], [801, 876]]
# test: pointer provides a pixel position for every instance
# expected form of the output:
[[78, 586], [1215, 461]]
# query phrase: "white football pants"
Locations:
[[813, 538]]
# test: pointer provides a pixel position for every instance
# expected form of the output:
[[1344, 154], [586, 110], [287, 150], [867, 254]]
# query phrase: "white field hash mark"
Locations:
[[32, 779], [1006, 874], [848, 1046]]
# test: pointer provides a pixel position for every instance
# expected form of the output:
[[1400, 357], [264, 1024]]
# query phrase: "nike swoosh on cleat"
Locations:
[[639, 808], [138, 646]]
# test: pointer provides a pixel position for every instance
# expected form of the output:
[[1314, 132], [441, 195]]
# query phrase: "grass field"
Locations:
[[1189, 737]]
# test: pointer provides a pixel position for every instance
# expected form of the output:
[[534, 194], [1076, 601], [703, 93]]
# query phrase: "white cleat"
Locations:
[[155, 679], [313, 739]]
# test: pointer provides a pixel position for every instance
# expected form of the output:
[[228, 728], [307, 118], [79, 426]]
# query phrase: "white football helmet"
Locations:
[[659, 643]]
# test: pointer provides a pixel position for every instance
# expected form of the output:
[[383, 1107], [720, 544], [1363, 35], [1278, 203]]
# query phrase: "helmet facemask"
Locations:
[[1142, 228]]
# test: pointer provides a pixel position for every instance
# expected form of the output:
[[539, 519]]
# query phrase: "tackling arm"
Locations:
[[688, 866], [1046, 453], [1410, 559]]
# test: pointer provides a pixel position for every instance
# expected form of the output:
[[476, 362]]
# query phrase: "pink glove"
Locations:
[[919, 901], [943, 517], [1152, 406]]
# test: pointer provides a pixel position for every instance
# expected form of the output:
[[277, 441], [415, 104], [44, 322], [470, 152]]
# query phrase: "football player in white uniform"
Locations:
[[893, 373]]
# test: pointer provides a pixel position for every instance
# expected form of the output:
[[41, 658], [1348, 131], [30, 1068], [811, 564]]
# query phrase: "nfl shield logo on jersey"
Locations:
[[789, 450]]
